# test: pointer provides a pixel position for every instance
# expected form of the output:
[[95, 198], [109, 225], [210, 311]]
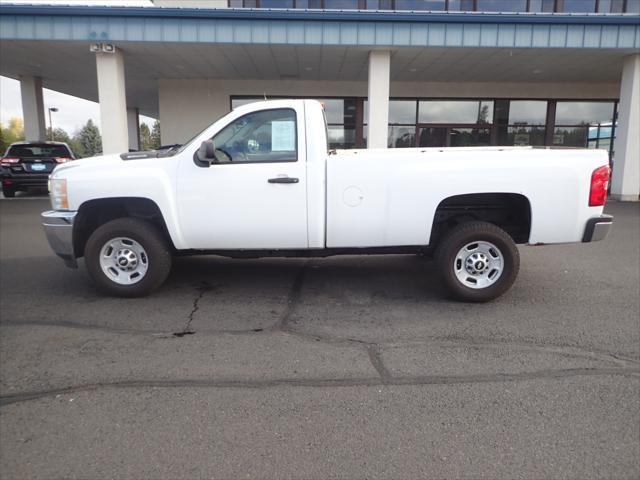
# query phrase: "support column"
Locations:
[[33, 109], [133, 123], [625, 184], [113, 102], [378, 119]]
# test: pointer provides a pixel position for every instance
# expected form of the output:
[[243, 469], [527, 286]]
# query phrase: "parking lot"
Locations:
[[350, 367]]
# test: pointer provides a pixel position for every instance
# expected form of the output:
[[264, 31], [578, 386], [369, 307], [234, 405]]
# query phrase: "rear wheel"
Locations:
[[128, 257], [477, 261], [8, 192]]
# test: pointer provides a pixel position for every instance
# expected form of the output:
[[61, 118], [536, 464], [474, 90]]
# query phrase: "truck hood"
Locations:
[[109, 162], [96, 163]]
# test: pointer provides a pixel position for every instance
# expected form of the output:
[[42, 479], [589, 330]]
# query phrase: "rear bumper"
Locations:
[[25, 179], [597, 228], [58, 227]]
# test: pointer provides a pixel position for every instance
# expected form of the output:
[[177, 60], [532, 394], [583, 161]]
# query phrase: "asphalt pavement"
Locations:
[[345, 367]]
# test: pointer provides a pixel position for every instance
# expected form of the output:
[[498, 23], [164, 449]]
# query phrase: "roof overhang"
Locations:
[[53, 42]]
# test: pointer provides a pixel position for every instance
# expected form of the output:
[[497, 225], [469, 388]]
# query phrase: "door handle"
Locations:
[[283, 180]]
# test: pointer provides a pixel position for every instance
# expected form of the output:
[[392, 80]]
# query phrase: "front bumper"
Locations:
[[58, 227], [597, 228]]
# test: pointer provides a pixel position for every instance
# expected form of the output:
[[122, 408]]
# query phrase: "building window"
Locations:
[[429, 5], [576, 6], [458, 123], [455, 111], [341, 121], [501, 5], [577, 122], [610, 6], [632, 6], [542, 6], [520, 122], [505, 6], [461, 5]]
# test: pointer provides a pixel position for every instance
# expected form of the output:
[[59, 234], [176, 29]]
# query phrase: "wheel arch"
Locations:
[[96, 212], [509, 211]]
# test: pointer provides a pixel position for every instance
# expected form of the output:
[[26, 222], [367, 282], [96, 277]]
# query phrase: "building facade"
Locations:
[[391, 73]]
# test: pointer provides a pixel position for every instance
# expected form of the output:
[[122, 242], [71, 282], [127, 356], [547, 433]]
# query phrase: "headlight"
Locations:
[[58, 191]]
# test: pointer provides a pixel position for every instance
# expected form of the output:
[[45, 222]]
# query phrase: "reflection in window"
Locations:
[[379, 4], [576, 6], [502, 5], [610, 6], [461, 5], [633, 6], [570, 136], [530, 112], [453, 137], [401, 137], [341, 4], [432, 5], [341, 137], [341, 121], [308, 3], [402, 111], [583, 113], [262, 136], [521, 136], [456, 111], [545, 6]]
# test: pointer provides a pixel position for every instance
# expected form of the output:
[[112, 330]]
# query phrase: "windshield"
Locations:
[[38, 151]]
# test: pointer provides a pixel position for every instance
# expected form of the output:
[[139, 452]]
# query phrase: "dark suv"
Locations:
[[29, 164]]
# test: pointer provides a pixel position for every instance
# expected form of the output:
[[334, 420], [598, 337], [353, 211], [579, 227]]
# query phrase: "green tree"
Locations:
[[145, 137], [87, 141], [60, 135], [155, 135], [13, 132]]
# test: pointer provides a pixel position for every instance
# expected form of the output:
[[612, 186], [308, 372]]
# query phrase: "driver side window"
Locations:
[[264, 136]]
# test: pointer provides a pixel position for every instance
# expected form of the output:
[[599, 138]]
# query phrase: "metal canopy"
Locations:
[[160, 43]]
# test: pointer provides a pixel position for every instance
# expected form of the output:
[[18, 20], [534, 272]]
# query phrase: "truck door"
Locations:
[[253, 196]]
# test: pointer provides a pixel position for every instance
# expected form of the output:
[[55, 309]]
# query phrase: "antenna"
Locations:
[[265, 96]]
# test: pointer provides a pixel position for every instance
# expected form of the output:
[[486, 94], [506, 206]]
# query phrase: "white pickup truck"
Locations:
[[261, 182]]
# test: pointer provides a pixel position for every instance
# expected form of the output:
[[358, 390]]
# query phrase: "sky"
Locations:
[[73, 112]]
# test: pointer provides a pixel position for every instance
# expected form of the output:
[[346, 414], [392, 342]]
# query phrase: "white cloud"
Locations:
[[72, 114]]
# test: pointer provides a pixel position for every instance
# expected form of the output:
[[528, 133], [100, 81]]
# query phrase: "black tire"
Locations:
[[149, 237], [464, 234], [8, 192]]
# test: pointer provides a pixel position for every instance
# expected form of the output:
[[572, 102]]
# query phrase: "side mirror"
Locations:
[[207, 152]]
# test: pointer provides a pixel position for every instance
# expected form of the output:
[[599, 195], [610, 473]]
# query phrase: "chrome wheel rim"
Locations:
[[124, 261], [478, 264]]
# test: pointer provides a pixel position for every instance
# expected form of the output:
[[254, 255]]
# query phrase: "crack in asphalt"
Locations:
[[326, 382], [203, 288], [375, 357], [292, 299], [372, 349]]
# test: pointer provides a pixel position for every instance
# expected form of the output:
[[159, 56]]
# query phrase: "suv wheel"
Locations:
[[127, 257], [477, 261]]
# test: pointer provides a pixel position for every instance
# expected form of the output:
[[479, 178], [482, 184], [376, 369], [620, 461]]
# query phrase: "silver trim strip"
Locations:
[[58, 228]]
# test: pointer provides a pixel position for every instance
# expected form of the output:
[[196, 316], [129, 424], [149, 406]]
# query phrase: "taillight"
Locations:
[[63, 159], [9, 161], [599, 186]]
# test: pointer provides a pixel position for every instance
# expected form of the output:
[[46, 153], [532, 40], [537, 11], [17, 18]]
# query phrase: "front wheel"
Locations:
[[477, 261], [127, 257]]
